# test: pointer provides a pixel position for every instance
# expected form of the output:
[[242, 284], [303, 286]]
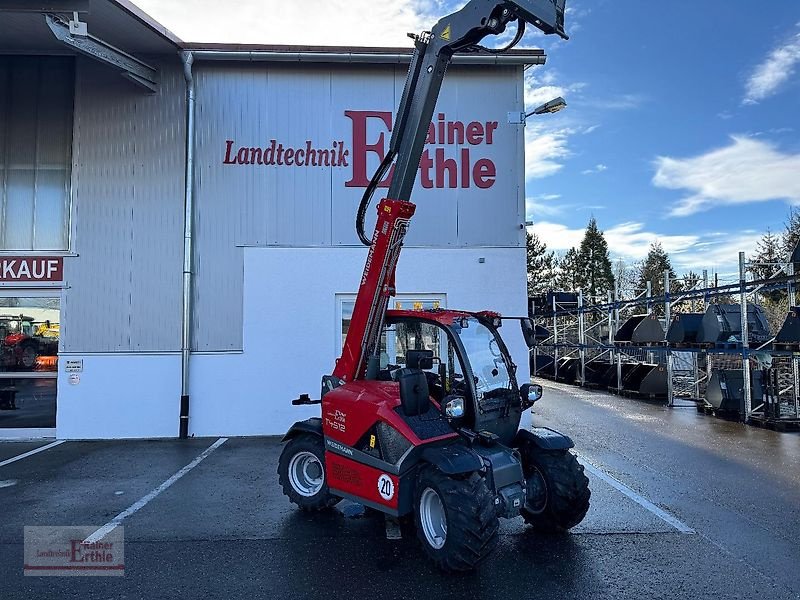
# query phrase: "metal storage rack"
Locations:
[[585, 331]]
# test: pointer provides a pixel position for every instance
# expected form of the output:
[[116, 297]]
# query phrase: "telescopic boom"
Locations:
[[459, 32]]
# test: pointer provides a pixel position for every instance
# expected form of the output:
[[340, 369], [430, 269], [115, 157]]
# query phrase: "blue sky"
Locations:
[[682, 126], [683, 120]]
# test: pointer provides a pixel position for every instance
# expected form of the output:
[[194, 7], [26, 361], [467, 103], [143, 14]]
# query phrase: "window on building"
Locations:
[[29, 334], [36, 107], [401, 301]]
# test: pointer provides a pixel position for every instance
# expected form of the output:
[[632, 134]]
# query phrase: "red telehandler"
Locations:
[[421, 414]]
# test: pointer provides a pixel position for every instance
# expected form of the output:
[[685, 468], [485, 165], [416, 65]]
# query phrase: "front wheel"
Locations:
[[455, 519], [558, 490], [301, 471]]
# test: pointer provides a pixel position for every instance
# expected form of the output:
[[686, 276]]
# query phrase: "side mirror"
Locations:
[[528, 332], [530, 393]]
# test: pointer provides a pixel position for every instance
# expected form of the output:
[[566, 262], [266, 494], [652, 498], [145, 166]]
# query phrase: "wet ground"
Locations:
[[683, 506]]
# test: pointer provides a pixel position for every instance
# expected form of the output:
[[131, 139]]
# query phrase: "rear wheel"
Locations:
[[301, 471], [558, 490], [455, 519]]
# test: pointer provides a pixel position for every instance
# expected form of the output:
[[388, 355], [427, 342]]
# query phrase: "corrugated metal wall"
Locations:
[[127, 214], [127, 186], [299, 206]]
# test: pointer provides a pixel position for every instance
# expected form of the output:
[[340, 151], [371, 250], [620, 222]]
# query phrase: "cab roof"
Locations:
[[442, 316]]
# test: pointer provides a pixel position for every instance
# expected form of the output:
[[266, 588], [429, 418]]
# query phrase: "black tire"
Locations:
[[470, 517], [564, 501], [301, 448]]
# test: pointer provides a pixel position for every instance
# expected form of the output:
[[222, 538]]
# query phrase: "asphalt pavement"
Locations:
[[683, 506]]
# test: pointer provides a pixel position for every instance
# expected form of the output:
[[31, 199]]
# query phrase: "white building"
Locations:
[[93, 147]]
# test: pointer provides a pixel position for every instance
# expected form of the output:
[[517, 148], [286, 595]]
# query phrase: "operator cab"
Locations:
[[466, 358]]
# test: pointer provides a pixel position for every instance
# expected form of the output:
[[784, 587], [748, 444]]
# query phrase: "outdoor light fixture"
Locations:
[[549, 107]]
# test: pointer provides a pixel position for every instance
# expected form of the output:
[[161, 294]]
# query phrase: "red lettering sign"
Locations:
[[31, 269], [459, 168]]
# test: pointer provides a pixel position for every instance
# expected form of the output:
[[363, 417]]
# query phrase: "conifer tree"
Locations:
[[653, 268], [542, 266], [596, 276], [569, 276]]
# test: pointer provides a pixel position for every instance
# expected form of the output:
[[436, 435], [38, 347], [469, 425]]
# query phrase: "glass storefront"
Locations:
[[29, 335]]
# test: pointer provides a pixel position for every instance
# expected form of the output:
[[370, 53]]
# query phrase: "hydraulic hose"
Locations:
[[377, 177]]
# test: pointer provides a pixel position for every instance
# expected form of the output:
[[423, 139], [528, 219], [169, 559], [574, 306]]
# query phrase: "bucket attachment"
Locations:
[[610, 376], [646, 380], [567, 369], [725, 390], [543, 366], [722, 325], [790, 330], [595, 372], [642, 330], [685, 328]]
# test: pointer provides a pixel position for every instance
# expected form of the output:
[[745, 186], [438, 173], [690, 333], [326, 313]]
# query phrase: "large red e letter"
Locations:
[[361, 147]]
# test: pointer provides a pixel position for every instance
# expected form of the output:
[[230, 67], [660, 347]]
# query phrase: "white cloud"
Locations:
[[541, 88], [546, 148], [547, 136], [618, 102], [715, 251], [745, 171], [544, 205], [599, 168], [777, 69], [315, 22]]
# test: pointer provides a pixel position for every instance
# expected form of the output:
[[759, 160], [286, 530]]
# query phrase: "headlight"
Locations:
[[454, 409]]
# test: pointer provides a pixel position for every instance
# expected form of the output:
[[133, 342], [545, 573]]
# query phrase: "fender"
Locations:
[[455, 459], [543, 438], [312, 426]]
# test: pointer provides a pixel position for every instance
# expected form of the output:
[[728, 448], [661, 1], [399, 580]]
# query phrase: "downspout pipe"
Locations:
[[188, 221]]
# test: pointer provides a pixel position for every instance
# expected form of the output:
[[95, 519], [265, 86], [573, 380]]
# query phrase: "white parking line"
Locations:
[[8, 461], [638, 498], [114, 523]]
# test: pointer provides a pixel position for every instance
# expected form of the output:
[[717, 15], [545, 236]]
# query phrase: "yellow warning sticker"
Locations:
[[446, 33]]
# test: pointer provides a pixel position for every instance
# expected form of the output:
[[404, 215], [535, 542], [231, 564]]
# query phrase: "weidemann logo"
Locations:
[[437, 170]]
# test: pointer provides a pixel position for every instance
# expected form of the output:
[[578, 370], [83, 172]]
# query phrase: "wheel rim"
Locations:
[[536, 500], [306, 474], [433, 518]]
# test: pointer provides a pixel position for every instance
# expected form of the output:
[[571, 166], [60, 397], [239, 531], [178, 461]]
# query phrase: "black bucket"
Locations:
[[685, 328], [722, 325], [610, 376], [595, 372], [641, 329], [725, 390], [567, 369], [632, 380], [790, 330], [544, 366]]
